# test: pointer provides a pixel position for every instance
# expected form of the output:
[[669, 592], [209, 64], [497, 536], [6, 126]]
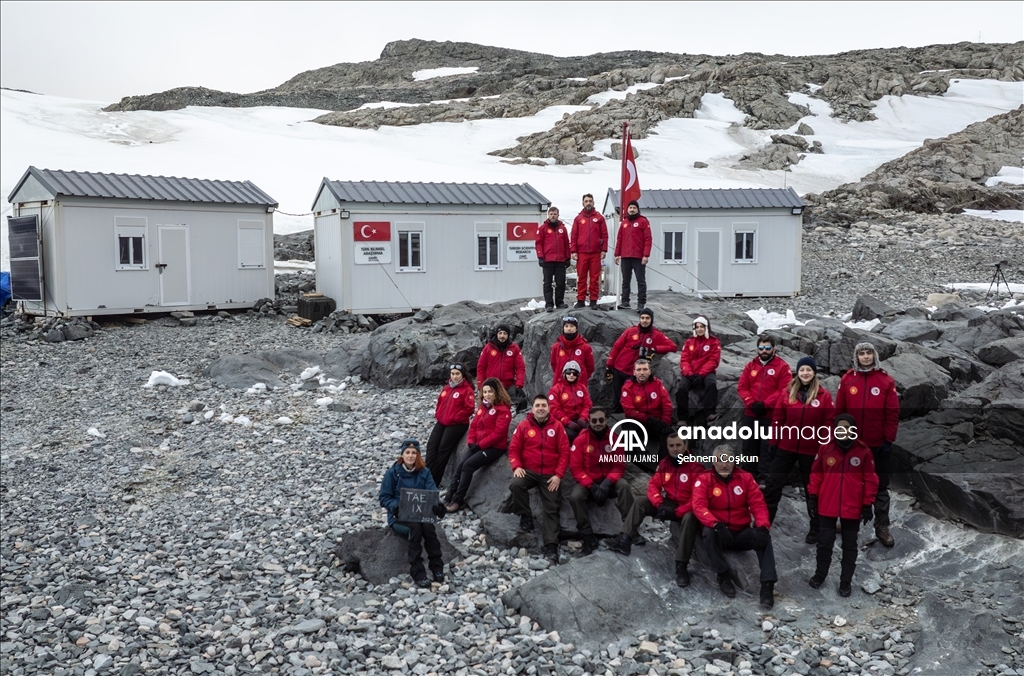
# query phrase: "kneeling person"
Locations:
[[668, 499], [726, 500], [598, 474]]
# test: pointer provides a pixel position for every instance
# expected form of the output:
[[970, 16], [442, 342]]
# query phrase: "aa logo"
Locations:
[[630, 436]]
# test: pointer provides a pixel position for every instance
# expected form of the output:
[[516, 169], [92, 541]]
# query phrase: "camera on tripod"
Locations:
[[998, 278]]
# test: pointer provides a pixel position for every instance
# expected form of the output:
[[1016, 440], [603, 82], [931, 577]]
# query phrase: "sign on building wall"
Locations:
[[520, 238], [372, 242]]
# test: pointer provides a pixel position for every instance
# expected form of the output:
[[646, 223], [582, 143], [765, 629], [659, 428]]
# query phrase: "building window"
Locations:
[[487, 252], [251, 245], [745, 251], [410, 251], [674, 244], [131, 247]]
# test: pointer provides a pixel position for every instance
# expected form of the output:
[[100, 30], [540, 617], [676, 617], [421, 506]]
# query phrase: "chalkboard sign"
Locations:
[[417, 506]]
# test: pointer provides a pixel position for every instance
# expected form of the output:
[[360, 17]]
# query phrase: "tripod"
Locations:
[[998, 278]]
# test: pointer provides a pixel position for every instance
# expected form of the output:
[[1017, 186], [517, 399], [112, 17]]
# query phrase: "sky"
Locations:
[[102, 51]]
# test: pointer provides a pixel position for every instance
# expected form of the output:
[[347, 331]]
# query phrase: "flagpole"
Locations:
[[622, 213]]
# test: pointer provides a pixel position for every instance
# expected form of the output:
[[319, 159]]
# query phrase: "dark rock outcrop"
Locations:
[[379, 554]]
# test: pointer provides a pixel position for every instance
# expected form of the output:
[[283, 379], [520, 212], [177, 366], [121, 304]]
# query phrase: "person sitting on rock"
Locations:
[[726, 500], [539, 456], [488, 440], [669, 498], [455, 405], [502, 359], [598, 473], [698, 364], [802, 413], [645, 399], [409, 471], [761, 384], [571, 346], [843, 486], [642, 340], [868, 393], [569, 400]]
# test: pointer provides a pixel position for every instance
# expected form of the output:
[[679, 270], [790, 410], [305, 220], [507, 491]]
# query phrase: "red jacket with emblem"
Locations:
[[870, 397], [844, 481], [569, 403], [589, 233], [585, 459], [504, 363], [763, 382], [455, 404], [626, 349], [641, 401], [489, 428], [578, 350], [553, 243], [634, 239], [543, 449], [674, 482], [734, 501], [805, 417], [700, 356]]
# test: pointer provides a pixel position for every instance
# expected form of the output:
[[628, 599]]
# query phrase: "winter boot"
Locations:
[[682, 575], [767, 595], [580, 304], [845, 589], [526, 523], [884, 536], [621, 544], [726, 585], [816, 581], [590, 545], [551, 553]]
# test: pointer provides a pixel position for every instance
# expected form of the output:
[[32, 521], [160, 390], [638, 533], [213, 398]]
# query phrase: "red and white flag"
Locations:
[[520, 232], [371, 231], [630, 181]]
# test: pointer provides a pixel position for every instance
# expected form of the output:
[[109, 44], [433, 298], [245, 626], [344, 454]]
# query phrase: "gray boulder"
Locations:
[[1006, 420], [805, 129], [911, 330], [241, 371], [921, 384], [868, 307], [76, 331], [1001, 352], [379, 554]]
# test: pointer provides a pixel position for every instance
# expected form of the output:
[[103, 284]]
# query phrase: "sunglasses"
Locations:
[[572, 373], [765, 348], [598, 420]]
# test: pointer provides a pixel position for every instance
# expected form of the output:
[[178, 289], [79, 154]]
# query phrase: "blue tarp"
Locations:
[[5, 287]]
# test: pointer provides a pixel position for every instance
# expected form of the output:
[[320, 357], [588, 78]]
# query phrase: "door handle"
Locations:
[[160, 267]]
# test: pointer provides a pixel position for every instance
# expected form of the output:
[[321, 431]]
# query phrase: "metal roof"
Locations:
[[727, 198], [391, 192], [134, 186]]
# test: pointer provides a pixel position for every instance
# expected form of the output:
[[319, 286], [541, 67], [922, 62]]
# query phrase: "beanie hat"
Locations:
[[571, 366], [707, 326], [807, 361], [633, 203], [847, 417], [503, 327], [647, 311]]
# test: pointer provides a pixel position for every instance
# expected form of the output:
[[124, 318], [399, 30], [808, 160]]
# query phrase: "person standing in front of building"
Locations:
[[572, 346], [642, 340], [868, 393], [454, 407], [761, 384], [632, 251], [553, 256], [589, 246]]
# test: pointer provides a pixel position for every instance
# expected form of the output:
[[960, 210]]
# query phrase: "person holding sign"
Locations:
[[409, 473], [455, 405], [488, 439], [553, 256]]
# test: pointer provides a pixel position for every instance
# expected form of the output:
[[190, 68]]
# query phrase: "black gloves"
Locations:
[[724, 535], [812, 506], [664, 514], [608, 375], [439, 510], [599, 492], [866, 514], [761, 537], [540, 262], [759, 409], [886, 447], [695, 380], [473, 448]]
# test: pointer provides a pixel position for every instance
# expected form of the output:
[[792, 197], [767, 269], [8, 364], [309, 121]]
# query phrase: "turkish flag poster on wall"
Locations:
[[520, 232], [371, 231]]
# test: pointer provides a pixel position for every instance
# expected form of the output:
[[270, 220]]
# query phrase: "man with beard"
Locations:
[[502, 359], [762, 382], [642, 340], [553, 256], [589, 246], [632, 251], [571, 346], [645, 400]]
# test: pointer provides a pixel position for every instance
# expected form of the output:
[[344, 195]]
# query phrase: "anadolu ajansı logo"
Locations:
[[630, 442]]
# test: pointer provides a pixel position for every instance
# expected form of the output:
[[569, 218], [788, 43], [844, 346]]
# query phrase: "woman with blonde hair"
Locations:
[[488, 439], [801, 422]]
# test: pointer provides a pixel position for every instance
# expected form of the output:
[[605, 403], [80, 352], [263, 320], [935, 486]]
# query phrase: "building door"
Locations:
[[173, 265], [709, 257]]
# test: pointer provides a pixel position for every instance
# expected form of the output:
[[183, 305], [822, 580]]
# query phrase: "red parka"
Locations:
[[455, 404], [641, 401], [844, 481], [543, 449], [578, 350], [763, 382], [553, 243], [585, 459], [700, 356], [674, 482], [634, 238], [489, 428], [734, 501], [569, 403], [589, 233], [870, 397], [504, 363], [795, 424], [626, 349]]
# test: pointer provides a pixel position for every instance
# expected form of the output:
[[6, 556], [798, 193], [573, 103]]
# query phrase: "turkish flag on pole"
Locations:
[[520, 232], [630, 181], [371, 231]]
